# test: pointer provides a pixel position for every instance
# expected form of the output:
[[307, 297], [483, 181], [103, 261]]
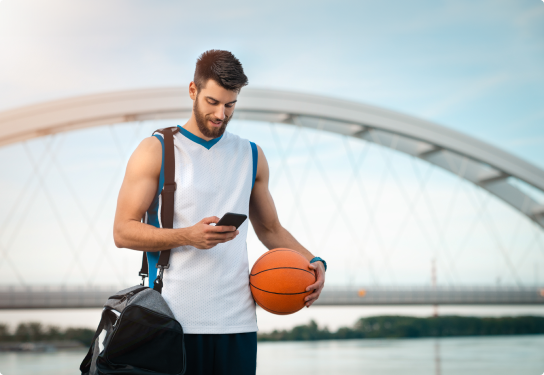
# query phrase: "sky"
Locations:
[[476, 67], [472, 66]]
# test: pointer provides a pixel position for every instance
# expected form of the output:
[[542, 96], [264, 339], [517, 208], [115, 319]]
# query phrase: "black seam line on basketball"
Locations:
[[282, 268], [285, 294]]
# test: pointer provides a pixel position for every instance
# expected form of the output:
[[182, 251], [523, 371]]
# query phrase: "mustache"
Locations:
[[214, 119]]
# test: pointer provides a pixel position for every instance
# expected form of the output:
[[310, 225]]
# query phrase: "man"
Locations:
[[207, 284]]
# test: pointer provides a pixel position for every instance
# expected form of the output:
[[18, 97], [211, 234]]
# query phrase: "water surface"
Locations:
[[499, 355]]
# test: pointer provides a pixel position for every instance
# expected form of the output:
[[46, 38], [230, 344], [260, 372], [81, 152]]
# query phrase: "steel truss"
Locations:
[[482, 164]]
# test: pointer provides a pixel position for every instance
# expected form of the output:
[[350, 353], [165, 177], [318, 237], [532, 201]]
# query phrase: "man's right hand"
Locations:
[[204, 236]]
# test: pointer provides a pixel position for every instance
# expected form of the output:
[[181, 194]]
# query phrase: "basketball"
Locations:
[[279, 279]]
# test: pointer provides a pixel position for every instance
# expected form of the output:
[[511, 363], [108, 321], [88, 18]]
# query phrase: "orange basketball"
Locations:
[[279, 279]]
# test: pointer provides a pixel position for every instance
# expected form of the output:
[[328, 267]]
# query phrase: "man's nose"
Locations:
[[220, 112]]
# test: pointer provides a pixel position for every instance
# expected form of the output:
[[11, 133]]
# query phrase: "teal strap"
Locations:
[[318, 259]]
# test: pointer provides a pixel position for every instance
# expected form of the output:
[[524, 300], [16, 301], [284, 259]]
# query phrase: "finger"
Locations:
[[320, 278], [318, 270], [230, 238], [309, 300], [219, 236], [217, 242], [317, 285], [209, 220], [311, 297], [310, 303], [223, 228], [315, 267], [218, 230], [320, 275], [232, 235]]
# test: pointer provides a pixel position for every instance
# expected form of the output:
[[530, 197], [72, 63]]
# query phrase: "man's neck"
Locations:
[[192, 126]]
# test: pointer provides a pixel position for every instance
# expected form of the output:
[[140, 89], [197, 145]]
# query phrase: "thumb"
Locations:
[[209, 220]]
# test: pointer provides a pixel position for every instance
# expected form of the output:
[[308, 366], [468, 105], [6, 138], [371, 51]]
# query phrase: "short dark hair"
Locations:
[[222, 67]]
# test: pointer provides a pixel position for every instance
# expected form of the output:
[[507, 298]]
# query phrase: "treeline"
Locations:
[[373, 327], [411, 327], [36, 332]]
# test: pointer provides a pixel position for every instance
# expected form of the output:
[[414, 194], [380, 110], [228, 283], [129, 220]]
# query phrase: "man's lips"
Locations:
[[216, 124]]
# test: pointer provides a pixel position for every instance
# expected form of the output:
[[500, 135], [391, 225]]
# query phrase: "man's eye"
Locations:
[[228, 105]]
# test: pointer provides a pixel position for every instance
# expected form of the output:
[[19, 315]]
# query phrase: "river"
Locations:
[[497, 355]]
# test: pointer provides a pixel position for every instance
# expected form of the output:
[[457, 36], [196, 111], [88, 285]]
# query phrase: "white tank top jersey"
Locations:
[[208, 290]]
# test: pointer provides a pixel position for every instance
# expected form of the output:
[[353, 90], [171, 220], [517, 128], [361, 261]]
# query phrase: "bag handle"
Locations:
[[167, 205]]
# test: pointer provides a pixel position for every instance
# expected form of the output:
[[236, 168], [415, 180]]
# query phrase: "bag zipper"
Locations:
[[129, 295]]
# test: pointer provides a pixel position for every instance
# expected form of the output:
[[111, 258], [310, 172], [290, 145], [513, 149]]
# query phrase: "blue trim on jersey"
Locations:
[[153, 219], [196, 139], [255, 155], [153, 211]]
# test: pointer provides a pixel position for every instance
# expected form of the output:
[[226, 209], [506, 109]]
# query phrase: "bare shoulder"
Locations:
[[147, 158], [260, 152], [151, 145], [262, 165]]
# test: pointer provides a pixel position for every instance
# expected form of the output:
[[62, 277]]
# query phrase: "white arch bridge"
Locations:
[[494, 170]]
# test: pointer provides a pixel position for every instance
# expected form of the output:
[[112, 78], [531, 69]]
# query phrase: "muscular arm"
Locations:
[[265, 221], [137, 191]]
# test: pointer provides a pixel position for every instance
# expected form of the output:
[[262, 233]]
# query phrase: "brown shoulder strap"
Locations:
[[167, 203]]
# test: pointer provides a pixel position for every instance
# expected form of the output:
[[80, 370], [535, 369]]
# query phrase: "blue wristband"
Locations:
[[318, 259]]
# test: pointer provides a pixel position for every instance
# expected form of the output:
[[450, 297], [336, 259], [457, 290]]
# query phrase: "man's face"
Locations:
[[213, 108]]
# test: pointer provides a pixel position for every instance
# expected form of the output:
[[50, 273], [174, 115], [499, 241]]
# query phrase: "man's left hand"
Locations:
[[317, 287]]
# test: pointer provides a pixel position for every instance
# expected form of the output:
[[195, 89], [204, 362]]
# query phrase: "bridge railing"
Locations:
[[426, 295], [43, 297]]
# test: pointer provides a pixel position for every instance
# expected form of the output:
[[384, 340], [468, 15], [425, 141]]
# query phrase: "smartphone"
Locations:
[[232, 219]]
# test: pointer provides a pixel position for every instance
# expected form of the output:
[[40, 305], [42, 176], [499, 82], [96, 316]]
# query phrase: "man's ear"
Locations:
[[193, 90]]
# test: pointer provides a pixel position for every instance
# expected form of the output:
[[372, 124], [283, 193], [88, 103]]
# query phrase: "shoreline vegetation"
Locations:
[[392, 327], [35, 337]]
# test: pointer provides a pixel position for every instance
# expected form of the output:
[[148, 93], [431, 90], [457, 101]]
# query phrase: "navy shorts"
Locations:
[[221, 354]]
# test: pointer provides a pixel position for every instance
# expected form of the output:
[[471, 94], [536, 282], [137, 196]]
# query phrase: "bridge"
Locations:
[[60, 297], [511, 180]]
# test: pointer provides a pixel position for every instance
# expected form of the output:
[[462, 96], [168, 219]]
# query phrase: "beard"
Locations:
[[202, 122]]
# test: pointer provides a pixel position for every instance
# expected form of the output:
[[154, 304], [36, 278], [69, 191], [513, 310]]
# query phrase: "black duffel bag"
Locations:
[[138, 333]]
